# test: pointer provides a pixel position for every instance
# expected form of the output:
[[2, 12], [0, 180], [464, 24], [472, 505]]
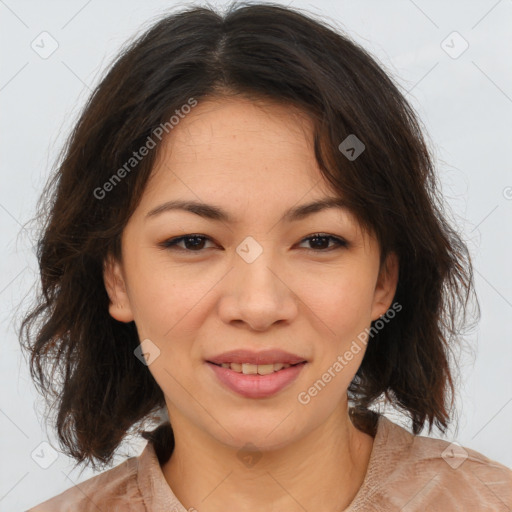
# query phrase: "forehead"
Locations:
[[243, 139], [227, 116]]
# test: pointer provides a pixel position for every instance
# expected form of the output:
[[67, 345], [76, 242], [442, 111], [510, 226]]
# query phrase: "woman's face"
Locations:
[[252, 281]]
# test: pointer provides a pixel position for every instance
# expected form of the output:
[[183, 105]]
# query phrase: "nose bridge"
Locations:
[[259, 296], [255, 264]]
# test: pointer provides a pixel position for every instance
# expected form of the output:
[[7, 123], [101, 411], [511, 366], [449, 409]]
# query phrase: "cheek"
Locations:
[[162, 296], [341, 298], [338, 305]]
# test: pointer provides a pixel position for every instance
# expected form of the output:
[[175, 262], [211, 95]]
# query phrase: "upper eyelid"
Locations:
[[201, 235]]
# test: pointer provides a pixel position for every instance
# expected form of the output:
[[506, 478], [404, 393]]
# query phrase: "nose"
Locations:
[[256, 294]]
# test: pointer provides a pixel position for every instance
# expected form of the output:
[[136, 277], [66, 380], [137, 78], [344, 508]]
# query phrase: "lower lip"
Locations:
[[257, 386]]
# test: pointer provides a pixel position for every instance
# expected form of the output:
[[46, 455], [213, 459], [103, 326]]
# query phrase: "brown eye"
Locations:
[[320, 242], [191, 243]]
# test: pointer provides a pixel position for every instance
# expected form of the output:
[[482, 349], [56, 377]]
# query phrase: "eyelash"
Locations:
[[172, 242]]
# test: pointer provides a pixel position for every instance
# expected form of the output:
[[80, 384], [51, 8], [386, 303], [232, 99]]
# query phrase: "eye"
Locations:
[[196, 242], [319, 240], [192, 243]]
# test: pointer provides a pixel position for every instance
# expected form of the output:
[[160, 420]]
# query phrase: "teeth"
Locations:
[[253, 369], [249, 369], [265, 369]]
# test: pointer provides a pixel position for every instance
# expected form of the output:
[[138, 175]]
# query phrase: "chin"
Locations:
[[261, 433]]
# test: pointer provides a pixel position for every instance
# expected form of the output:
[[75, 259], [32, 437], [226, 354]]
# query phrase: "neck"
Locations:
[[322, 470]]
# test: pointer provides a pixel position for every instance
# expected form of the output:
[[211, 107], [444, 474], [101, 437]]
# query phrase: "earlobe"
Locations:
[[119, 307], [386, 286]]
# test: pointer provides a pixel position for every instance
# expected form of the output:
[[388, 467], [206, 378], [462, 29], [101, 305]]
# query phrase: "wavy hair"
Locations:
[[82, 360]]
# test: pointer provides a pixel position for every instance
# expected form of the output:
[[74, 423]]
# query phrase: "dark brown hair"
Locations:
[[82, 360]]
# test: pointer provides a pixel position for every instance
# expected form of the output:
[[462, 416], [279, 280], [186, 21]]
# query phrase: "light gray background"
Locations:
[[465, 104]]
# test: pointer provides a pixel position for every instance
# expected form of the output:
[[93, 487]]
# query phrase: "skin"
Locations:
[[254, 160]]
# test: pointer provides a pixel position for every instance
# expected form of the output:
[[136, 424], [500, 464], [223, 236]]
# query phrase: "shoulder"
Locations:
[[116, 488], [412, 473], [461, 476], [136, 485]]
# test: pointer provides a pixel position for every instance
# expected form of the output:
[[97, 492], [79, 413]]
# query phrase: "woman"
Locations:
[[245, 235]]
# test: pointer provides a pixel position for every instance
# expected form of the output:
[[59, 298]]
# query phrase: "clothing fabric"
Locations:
[[405, 473]]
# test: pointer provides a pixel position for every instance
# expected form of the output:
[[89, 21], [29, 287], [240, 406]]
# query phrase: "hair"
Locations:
[[82, 360]]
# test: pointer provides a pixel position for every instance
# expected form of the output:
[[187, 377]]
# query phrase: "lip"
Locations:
[[257, 386], [263, 357]]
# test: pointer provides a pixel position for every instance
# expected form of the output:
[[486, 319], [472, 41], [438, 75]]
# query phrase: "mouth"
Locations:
[[256, 369], [256, 381], [256, 374]]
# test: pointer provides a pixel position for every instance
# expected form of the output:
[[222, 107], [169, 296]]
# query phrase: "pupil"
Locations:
[[197, 241], [316, 238]]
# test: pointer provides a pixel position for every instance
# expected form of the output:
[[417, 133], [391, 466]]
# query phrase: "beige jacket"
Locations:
[[406, 473]]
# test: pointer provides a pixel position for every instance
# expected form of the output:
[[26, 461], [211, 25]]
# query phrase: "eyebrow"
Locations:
[[216, 213]]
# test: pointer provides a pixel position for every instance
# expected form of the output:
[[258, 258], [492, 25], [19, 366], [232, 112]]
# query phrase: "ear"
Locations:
[[386, 286], [119, 307]]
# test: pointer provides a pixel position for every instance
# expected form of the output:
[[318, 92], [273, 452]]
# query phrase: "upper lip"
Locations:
[[264, 357]]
